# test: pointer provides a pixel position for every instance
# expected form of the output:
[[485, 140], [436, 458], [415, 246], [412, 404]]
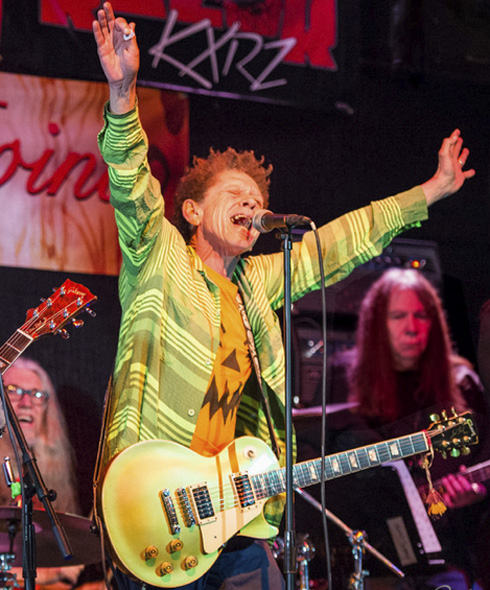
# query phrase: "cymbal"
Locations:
[[316, 411], [85, 545]]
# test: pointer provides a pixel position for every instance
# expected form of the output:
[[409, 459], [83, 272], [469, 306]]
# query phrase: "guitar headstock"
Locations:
[[454, 434], [57, 310]]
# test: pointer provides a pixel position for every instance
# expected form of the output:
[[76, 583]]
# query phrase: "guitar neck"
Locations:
[[13, 348], [307, 473], [476, 474]]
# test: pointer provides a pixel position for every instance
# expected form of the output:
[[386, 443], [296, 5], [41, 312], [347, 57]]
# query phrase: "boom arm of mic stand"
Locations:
[[37, 486], [350, 532]]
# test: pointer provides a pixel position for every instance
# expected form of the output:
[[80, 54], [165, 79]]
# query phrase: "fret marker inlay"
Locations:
[[394, 449], [353, 460]]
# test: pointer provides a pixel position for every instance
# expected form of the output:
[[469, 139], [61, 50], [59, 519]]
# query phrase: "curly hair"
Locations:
[[373, 377], [199, 177]]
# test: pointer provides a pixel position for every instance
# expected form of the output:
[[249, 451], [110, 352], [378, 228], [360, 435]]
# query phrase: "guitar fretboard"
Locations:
[[12, 349], [309, 472]]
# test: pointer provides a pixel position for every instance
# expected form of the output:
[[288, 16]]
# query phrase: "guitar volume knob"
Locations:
[[151, 552], [176, 545], [190, 562], [165, 568]]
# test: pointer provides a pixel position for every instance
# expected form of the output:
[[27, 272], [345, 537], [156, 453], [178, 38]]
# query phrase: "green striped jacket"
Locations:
[[171, 310]]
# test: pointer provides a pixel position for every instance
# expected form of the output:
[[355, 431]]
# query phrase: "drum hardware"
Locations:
[[85, 545], [7, 558], [7, 578], [316, 411], [305, 552], [358, 542]]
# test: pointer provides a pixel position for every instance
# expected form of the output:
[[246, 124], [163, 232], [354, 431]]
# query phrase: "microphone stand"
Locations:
[[290, 562], [32, 484]]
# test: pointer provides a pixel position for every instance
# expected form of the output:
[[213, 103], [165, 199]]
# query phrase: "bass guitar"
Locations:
[[168, 511]]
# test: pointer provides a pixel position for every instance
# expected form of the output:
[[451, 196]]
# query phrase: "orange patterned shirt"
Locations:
[[215, 426]]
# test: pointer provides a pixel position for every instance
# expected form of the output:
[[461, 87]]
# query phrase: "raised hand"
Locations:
[[449, 176], [119, 56]]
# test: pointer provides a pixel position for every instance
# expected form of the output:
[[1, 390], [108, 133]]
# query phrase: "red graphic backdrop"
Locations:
[[268, 51]]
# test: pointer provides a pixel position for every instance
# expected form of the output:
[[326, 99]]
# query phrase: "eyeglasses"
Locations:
[[38, 398]]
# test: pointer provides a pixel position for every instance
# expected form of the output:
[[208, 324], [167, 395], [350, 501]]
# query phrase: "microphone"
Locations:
[[265, 221]]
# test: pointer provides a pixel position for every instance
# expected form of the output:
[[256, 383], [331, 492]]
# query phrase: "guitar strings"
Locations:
[[226, 496]]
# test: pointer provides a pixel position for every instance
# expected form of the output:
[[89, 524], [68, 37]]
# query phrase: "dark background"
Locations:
[[380, 137]]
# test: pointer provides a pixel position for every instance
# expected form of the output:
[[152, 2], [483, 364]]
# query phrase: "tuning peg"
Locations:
[[63, 333], [434, 417], [455, 453], [90, 312], [465, 451], [77, 323], [444, 414]]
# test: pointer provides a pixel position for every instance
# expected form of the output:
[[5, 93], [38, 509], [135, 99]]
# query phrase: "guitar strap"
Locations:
[[96, 519], [105, 420], [255, 362]]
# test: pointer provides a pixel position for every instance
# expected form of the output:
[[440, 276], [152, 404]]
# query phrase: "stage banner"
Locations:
[[54, 195], [295, 52]]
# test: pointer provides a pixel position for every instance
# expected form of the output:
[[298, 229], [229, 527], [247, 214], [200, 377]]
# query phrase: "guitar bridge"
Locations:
[[170, 511], [244, 491]]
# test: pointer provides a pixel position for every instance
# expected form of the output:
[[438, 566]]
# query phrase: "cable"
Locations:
[[324, 403]]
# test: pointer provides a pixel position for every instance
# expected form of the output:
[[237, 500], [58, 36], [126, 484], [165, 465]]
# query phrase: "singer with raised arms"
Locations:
[[184, 370]]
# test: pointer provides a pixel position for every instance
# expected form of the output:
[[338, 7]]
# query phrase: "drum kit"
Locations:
[[85, 545]]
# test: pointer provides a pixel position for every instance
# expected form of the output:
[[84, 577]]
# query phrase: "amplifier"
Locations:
[[346, 296]]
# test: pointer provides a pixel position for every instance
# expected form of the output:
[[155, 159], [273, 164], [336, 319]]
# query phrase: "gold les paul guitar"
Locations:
[[168, 511]]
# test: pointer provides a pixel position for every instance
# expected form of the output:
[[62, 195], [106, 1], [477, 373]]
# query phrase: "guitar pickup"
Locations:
[[170, 511], [202, 501], [244, 491]]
